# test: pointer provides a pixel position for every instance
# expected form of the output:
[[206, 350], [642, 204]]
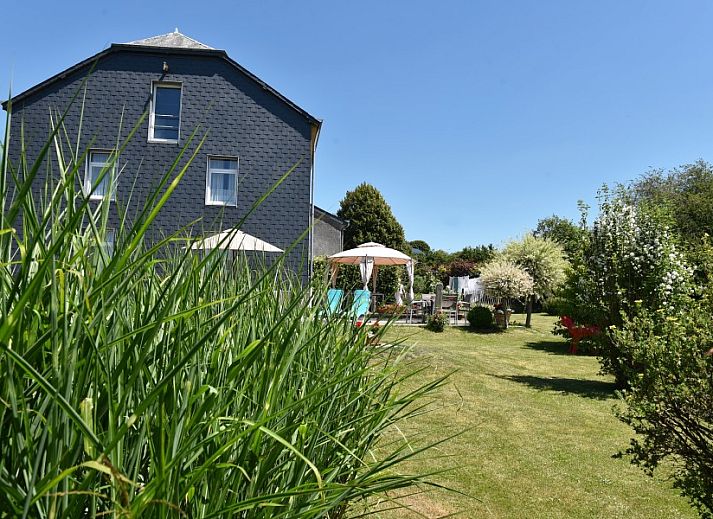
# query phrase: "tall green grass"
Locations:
[[154, 382]]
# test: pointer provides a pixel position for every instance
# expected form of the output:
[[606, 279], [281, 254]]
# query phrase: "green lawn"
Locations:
[[539, 432]]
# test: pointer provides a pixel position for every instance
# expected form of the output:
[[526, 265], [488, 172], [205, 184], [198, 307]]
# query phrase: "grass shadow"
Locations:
[[596, 389], [487, 331], [554, 347]]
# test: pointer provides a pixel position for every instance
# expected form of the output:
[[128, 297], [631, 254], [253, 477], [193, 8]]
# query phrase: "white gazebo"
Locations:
[[369, 256]]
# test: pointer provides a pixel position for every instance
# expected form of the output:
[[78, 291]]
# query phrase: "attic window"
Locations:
[[165, 121]]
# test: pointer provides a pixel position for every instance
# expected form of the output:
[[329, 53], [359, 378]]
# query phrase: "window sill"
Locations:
[[221, 204], [163, 141]]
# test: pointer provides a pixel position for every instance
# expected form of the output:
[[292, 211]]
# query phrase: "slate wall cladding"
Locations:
[[239, 118], [327, 239]]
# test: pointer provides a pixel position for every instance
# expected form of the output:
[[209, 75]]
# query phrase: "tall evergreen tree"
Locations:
[[369, 218]]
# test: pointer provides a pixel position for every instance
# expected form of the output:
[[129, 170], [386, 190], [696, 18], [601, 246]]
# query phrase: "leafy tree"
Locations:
[[543, 259], [562, 231], [480, 254], [460, 267], [420, 246], [505, 280], [369, 218], [685, 195]]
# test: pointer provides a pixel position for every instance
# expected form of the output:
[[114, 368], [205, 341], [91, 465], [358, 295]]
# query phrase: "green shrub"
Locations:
[[670, 399], [154, 382], [556, 306], [437, 322], [480, 318]]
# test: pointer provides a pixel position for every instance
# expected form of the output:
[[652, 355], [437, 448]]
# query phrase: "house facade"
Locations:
[[328, 233], [253, 136]]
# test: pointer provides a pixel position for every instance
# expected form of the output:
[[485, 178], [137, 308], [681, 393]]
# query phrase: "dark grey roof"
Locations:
[[175, 40], [332, 219], [153, 45]]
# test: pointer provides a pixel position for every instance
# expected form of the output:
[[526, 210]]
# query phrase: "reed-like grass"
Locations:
[[149, 381]]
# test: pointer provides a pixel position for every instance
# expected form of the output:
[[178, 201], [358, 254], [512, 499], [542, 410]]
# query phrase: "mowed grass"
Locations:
[[538, 431]]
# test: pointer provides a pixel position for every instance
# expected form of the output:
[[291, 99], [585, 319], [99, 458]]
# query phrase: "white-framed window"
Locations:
[[222, 181], [109, 242], [165, 119], [99, 177]]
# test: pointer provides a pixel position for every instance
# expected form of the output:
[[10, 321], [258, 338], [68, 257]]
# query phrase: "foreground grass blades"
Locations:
[[153, 382]]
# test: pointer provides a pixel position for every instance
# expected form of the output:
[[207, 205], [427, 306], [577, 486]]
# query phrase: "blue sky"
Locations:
[[474, 119]]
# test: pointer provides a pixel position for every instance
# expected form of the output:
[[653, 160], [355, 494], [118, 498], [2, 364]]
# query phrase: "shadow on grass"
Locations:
[[487, 331], [596, 389], [555, 347]]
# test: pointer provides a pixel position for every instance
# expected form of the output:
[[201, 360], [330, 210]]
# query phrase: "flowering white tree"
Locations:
[[544, 260], [634, 260], [505, 280], [632, 264]]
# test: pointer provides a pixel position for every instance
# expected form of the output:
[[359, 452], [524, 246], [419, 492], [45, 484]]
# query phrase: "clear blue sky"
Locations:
[[474, 119]]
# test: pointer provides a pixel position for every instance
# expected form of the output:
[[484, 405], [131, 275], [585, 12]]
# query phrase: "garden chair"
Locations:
[[449, 306], [334, 300], [360, 305]]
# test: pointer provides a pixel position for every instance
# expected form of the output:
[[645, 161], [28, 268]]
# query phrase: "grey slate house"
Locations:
[[254, 135], [328, 233]]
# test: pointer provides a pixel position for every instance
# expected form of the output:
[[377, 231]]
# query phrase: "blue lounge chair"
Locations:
[[360, 306], [334, 300]]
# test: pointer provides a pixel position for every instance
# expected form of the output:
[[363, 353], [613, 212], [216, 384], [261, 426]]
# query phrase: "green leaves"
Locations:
[[155, 383]]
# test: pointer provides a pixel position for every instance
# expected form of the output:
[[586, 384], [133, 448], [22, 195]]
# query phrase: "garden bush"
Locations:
[[555, 305], [149, 381], [480, 318], [670, 399], [437, 322]]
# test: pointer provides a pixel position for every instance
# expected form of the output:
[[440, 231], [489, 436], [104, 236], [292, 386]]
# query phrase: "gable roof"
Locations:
[[169, 43], [173, 39], [332, 219]]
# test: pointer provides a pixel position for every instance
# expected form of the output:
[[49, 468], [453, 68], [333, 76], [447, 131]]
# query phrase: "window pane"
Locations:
[[166, 113], [168, 101], [166, 133], [224, 164], [102, 158], [109, 242], [222, 187], [98, 160]]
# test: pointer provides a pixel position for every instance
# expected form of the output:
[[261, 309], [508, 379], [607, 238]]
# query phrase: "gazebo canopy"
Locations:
[[368, 256], [381, 255]]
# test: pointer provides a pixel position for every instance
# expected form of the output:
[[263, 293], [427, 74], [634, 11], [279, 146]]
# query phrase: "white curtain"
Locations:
[[399, 295], [409, 270], [366, 267]]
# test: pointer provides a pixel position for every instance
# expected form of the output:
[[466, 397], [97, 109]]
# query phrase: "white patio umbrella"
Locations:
[[368, 256], [233, 239]]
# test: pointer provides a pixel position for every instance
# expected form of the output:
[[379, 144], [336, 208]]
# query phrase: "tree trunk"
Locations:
[[528, 310]]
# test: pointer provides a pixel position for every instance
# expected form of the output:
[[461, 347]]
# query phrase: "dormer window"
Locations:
[[165, 120]]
